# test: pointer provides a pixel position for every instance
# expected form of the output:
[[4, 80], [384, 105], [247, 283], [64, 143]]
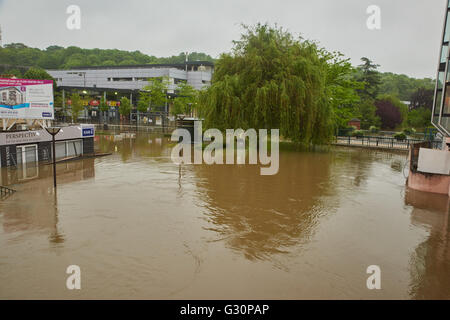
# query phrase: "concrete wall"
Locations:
[[433, 183], [427, 177]]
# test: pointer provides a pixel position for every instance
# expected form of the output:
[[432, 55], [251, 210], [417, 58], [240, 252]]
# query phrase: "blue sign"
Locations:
[[88, 132], [46, 114]]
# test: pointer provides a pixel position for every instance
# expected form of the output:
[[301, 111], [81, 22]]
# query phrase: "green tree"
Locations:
[[58, 105], [367, 114], [341, 87], [404, 87], [56, 57], [154, 94], [39, 74], [57, 100], [395, 101], [185, 100], [370, 77], [143, 103], [103, 106], [127, 62], [125, 106], [422, 97], [108, 63], [76, 106], [12, 72], [419, 117]]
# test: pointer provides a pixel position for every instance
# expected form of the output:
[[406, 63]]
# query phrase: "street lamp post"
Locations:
[[53, 131], [190, 109]]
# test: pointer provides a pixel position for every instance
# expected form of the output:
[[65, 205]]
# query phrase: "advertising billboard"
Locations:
[[26, 99]]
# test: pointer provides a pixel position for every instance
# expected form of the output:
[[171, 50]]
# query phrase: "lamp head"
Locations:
[[53, 130]]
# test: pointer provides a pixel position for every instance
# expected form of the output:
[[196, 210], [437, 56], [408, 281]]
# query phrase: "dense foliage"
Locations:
[[125, 106], [272, 80], [76, 106], [153, 96], [389, 109], [366, 112], [103, 106], [419, 117], [422, 97], [402, 86], [368, 75], [382, 95], [185, 100], [269, 80], [17, 55]]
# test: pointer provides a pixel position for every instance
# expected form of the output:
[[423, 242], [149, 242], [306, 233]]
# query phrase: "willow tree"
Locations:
[[272, 80]]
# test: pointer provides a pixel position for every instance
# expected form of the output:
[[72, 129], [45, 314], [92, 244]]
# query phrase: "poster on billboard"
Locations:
[[26, 99]]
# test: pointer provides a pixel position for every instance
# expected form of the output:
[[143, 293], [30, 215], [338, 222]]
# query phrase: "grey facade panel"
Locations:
[[129, 78]]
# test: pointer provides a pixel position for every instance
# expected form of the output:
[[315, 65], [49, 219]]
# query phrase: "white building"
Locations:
[[131, 78]]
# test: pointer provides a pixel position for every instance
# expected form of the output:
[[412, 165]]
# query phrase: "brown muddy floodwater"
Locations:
[[142, 227]]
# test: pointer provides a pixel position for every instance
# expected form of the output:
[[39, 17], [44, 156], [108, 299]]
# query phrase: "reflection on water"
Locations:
[[262, 215], [140, 226], [430, 262], [35, 206]]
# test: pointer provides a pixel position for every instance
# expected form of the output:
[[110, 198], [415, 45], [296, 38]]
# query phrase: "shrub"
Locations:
[[373, 129], [358, 133], [125, 106], [348, 131], [400, 136], [409, 131], [420, 117]]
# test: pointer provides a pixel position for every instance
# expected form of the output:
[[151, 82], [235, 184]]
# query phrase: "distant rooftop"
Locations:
[[142, 66]]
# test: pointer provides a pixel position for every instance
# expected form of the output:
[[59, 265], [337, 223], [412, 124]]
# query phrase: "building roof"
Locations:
[[142, 66]]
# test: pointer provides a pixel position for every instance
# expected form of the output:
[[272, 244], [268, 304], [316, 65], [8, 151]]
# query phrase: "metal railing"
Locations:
[[384, 142], [428, 134]]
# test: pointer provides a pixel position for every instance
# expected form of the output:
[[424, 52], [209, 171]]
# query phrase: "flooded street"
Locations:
[[142, 227]]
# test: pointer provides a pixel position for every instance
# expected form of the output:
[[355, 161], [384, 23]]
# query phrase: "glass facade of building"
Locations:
[[441, 106]]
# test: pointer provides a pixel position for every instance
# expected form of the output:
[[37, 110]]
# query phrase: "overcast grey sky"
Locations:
[[408, 41]]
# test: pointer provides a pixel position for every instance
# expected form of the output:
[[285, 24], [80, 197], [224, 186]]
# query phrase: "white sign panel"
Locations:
[[434, 161]]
